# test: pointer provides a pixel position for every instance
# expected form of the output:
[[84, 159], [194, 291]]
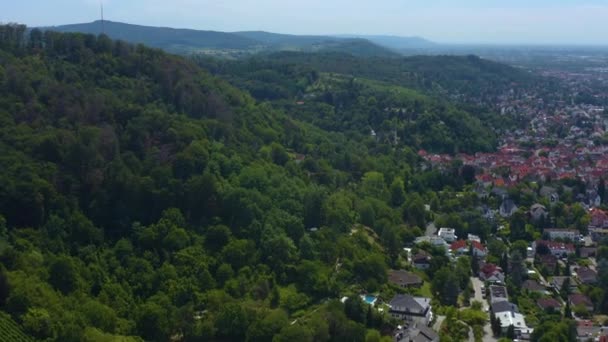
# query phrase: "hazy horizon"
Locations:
[[517, 22]]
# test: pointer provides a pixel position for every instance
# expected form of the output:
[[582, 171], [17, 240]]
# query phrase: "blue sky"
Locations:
[[450, 21]]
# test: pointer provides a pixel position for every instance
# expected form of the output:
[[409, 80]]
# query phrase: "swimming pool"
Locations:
[[369, 299]]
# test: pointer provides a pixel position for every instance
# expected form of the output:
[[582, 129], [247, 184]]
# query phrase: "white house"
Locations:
[[557, 249], [433, 240], [514, 319], [556, 233], [448, 234]]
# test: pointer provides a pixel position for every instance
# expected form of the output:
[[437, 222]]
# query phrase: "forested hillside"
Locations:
[[402, 101], [141, 196], [468, 75], [176, 40]]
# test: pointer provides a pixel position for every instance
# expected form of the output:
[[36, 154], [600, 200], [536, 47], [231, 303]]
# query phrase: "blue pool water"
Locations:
[[369, 299]]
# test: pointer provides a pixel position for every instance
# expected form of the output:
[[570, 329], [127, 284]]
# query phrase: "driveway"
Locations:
[[438, 322], [430, 229]]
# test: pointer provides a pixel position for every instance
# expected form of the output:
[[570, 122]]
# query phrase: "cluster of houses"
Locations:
[[549, 253], [507, 313], [526, 156], [414, 312]]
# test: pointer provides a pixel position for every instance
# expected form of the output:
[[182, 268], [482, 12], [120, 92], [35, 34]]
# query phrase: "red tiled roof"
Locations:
[[456, 245], [556, 245], [489, 269], [478, 245]]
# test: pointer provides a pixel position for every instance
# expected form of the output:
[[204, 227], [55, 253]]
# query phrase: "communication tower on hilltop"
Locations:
[[103, 26]]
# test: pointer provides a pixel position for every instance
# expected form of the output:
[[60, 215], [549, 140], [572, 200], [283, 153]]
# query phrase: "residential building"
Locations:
[[507, 208], [491, 273], [411, 309], [422, 260], [548, 262], [598, 234], [558, 282], [503, 306], [538, 211], [416, 333], [472, 237], [557, 249], [514, 319], [588, 252], [459, 247], [498, 294], [533, 286], [549, 304], [586, 275], [447, 234], [556, 233], [478, 249], [432, 240], [404, 278], [579, 299], [599, 218], [550, 194]]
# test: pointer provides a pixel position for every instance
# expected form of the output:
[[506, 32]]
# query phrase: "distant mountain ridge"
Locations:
[[396, 42], [201, 41], [161, 37]]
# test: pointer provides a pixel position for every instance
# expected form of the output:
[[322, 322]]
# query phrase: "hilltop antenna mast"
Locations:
[[103, 26]]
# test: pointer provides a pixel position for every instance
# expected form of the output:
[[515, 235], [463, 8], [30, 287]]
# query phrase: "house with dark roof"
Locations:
[[422, 260], [550, 194], [549, 304], [586, 275], [538, 211], [404, 278], [548, 262], [507, 208], [557, 283], [533, 286], [503, 306], [411, 309], [498, 294], [588, 252], [579, 299], [416, 333]]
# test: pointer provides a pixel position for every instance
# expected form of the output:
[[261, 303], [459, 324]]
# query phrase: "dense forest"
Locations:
[[341, 93], [143, 197]]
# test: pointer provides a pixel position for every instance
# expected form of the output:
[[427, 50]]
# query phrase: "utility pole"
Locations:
[[103, 26]]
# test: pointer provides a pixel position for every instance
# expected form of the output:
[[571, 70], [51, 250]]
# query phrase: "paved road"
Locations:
[[477, 283], [487, 329], [489, 335]]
